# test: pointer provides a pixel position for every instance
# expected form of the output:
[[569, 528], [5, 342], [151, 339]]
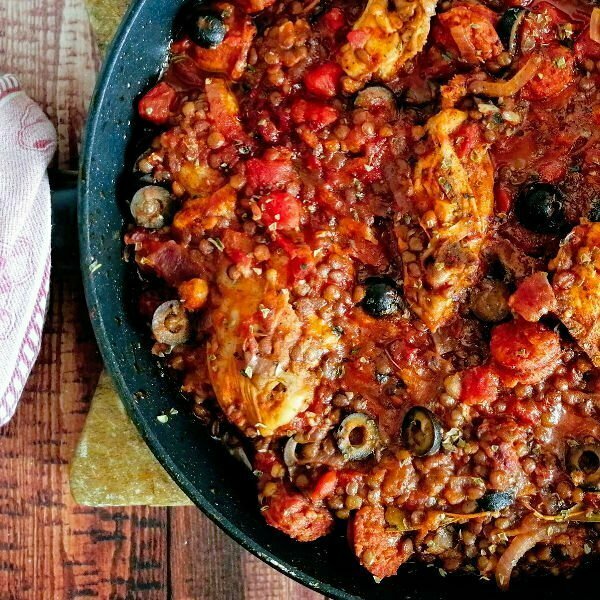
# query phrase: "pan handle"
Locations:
[[63, 191]]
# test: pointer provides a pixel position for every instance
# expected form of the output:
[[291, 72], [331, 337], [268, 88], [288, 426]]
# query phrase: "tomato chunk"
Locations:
[[254, 6], [534, 297], [357, 38], [586, 48], [315, 114], [156, 105], [479, 385], [324, 80], [280, 210], [263, 174], [334, 20], [324, 487], [524, 352]]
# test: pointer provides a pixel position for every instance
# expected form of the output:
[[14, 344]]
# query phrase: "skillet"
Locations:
[[218, 484]]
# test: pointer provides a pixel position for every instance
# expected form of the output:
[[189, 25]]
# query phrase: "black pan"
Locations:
[[221, 487]]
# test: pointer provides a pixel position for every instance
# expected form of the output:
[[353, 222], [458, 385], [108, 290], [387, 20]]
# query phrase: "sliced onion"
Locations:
[[465, 45], [289, 452], [517, 548], [496, 89], [595, 25]]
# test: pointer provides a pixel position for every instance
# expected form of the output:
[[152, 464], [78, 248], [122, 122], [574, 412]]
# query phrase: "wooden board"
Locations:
[[49, 547]]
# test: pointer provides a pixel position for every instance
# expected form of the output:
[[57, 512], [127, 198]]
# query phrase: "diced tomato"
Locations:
[[586, 48], [254, 6], [468, 137], [534, 297], [280, 210], [334, 20], [345, 476], [265, 461], [524, 352], [263, 174], [237, 246], [324, 80], [524, 411], [555, 73], [357, 38], [479, 385], [504, 199], [324, 487], [301, 264], [156, 104], [223, 109], [315, 114]]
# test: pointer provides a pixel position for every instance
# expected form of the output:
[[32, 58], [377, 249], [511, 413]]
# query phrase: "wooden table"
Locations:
[[50, 548]]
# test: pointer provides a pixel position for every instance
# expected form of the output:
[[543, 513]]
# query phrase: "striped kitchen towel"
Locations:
[[27, 144]]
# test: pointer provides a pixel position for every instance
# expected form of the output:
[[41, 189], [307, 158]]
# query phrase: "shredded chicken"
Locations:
[[576, 285], [441, 243], [258, 383], [383, 40]]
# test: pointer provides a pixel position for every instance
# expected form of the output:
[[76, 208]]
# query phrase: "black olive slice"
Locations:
[[421, 431], [204, 27], [540, 208], [495, 501], [508, 27], [585, 460], [382, 297], [357, 436]]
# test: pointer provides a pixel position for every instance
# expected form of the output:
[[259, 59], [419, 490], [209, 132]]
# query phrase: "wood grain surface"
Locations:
[[51, 549]]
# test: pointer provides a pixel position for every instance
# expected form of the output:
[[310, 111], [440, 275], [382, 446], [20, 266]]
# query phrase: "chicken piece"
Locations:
[[453, 200], [262, 358], [383, 40], [576, 285]]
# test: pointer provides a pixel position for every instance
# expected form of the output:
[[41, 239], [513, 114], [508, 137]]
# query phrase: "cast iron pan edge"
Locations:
[[216, 483]]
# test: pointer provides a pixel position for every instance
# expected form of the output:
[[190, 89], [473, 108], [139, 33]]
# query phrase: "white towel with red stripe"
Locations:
[[27, 144]]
